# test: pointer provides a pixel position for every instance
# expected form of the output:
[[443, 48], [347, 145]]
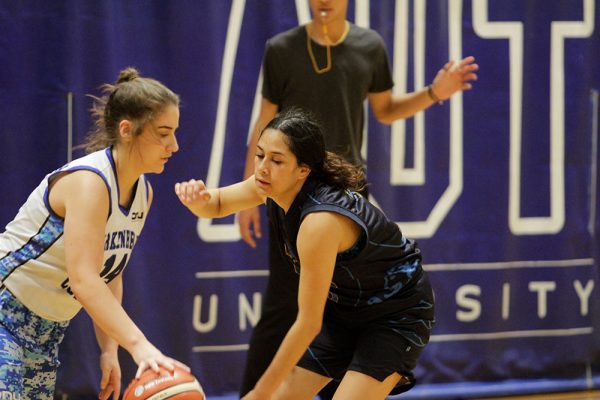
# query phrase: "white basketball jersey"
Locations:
[[32, 253]]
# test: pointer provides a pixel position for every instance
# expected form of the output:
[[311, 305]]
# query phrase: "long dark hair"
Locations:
[[132, 97], [304, 137]]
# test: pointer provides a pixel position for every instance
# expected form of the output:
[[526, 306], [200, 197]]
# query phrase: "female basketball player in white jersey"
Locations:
[[365, 305], [70, 241]]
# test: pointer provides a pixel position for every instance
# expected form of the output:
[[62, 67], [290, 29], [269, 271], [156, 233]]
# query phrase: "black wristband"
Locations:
[[432, 95]]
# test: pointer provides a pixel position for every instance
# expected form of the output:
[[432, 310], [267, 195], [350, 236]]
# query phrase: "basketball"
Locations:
[[175, 385]]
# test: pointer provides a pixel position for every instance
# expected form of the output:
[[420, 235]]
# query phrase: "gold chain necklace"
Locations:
[[313, 60]]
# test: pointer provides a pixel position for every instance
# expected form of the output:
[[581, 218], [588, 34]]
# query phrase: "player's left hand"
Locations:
[[111, 376], [454, 77]]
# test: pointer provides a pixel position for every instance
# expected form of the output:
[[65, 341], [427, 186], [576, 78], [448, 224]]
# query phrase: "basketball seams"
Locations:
[[180, 385], [172, 391]]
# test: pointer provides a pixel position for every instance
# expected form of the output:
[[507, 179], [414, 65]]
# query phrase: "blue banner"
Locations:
[[498, 184]]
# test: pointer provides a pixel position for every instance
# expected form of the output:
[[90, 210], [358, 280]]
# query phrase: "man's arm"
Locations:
[[249, 220], [266, 114], [387, 107]]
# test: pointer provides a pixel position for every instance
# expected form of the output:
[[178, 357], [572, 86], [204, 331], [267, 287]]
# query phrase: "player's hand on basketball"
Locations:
[[191, 192], [154, 362], [250, 228], [111, 376], [454, 77], [147, 356]]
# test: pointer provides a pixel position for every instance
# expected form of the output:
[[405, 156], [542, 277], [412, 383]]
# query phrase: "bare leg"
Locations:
[[358, 386], [301, 384]]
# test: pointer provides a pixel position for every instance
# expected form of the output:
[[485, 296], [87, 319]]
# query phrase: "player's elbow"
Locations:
[[385, 119], [383, 116], [315, 328], [79, 287], [83, 286]]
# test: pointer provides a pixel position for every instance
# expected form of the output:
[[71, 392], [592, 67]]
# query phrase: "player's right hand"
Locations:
[[147, 356], [250, 228], [192, 191]]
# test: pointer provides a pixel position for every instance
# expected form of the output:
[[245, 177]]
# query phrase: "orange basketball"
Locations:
[[175, 385]]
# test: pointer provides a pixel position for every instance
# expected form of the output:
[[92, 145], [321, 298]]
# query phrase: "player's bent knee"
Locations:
[[300, 384], [358, 386]]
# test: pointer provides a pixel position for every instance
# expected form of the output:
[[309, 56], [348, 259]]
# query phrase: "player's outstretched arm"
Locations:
[[219, 202]]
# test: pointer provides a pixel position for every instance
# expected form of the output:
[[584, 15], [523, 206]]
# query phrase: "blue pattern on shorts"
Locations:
[[28, 351]]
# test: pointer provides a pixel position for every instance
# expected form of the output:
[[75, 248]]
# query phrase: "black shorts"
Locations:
[[377, 340]]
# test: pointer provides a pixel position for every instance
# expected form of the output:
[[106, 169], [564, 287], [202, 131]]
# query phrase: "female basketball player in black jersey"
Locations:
[[365, 303]]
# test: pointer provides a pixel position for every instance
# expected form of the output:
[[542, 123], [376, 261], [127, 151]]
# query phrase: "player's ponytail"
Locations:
[[338, 172]]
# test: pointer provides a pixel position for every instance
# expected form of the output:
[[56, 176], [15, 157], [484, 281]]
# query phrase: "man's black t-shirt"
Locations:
[[359, 66]]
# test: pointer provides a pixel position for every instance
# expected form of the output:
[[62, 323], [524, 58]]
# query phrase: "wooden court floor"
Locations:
[[584, 395]]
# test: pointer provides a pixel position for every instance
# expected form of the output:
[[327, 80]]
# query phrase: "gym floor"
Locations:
[[583, 395]]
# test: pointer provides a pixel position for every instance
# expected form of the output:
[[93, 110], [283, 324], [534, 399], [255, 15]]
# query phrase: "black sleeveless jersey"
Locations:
[[382, 265]]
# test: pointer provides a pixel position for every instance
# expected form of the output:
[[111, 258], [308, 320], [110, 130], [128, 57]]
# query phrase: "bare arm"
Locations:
[[81, 197], [249, 220], [220, 202], [449, 80], [110, 382], [320, 237], [105, 342], [85, 200], [268, 110]]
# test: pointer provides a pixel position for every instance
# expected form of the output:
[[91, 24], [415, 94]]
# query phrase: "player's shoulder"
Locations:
[[80, 180], [319, 196]]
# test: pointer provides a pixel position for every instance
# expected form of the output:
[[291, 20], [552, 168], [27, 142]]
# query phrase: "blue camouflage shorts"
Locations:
[[28, 351]]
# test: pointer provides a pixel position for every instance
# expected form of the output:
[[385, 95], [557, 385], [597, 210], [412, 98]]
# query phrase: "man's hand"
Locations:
[[453, 78], [250, 228]]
